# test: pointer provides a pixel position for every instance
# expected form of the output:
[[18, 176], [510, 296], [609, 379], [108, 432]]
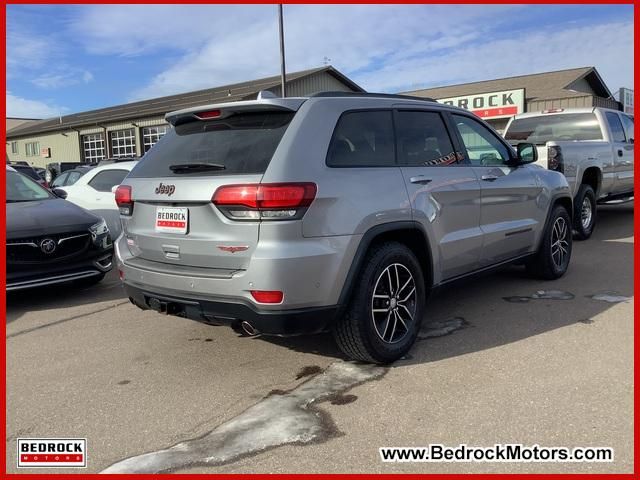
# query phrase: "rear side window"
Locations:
[[107, 179], [239, 144], [73, 178], [423, 140], [617, 132], [564, 126], [627, 122], [60, 180], [363, 139]]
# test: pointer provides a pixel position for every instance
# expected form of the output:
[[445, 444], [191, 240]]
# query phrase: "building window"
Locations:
[[123, 143], [93, 147], [14, 147], [32, 149], [151, 135]]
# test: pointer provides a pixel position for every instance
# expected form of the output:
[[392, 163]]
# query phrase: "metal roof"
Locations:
[[162, 105], [538, 86]]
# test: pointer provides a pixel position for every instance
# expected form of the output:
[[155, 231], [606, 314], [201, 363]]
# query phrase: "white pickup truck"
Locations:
[[593, 147]]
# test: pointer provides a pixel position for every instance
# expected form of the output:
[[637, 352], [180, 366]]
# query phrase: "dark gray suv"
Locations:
[[338, 211]]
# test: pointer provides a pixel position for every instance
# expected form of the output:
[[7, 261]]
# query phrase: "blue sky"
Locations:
[[69, 58]]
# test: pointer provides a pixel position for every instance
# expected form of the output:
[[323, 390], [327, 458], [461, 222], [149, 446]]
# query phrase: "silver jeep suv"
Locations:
[[335, 212]]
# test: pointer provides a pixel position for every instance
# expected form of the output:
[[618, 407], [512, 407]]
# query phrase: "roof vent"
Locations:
[[262, 94]]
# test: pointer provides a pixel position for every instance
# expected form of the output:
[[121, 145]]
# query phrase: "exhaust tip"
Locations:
[[249, 329]]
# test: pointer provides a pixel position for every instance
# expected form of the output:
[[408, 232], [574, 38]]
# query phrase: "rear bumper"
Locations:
[[270, 322]]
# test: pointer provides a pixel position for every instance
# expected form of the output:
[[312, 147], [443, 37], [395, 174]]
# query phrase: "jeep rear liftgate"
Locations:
[[217, 153]]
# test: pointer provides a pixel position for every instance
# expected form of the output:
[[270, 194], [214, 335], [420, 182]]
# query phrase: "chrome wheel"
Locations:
[[559, 242], [586, 213], [393, 305]]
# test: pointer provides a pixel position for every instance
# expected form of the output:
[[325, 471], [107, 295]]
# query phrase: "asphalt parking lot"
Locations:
[[498, 362]]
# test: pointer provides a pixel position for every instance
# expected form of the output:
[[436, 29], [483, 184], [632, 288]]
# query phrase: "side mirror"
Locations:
[[58, 192], [114, 188], [527, 153]]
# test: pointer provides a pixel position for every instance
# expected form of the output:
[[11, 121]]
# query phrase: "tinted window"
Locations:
[[60, 180], [423, 140], [105, 180], [73, 178], [363, 139], [627, 123], [241, 143], [568, 126], [615, 125], [23, 189], [483, 147]]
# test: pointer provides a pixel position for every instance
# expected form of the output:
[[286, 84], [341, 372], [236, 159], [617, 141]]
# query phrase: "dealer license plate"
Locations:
[[172, 220]]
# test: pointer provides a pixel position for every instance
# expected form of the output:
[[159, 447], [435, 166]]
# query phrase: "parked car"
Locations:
[[340, 211], [30, 172], [70, 176], [54, 169], [94, 190], [50, 240], [594, 149]]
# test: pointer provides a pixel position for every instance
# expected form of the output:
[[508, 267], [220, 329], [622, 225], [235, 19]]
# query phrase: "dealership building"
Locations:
[[496, 101], [132, 129]]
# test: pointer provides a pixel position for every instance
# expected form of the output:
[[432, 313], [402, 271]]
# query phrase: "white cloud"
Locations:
[[87, 76], [59, 80], [25, 108], [131, 30], [608, 47], [25, 51], [223, 44]]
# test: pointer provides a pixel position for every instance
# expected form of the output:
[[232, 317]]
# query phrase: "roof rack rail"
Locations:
[[370, 94]]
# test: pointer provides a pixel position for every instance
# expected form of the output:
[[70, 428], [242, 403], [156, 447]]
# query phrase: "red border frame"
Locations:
[[636, 276]]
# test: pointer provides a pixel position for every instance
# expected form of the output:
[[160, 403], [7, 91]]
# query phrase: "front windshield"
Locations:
[[22, 189]]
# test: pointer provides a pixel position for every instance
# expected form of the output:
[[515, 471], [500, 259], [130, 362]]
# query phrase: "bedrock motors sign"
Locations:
[[52, 452]]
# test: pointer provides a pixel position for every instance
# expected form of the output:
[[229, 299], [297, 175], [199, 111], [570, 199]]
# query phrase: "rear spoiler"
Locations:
[[229, 108]]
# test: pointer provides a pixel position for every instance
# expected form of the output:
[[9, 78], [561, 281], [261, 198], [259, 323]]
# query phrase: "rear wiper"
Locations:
[[195, 167]]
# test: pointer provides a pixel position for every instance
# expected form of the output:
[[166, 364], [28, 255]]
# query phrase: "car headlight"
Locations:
[[98, 229]]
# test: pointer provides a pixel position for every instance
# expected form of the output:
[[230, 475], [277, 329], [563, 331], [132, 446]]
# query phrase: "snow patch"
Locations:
[[276, 420], [610, 297]]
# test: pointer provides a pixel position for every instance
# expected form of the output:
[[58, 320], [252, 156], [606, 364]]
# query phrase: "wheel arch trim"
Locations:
[[367, 240]]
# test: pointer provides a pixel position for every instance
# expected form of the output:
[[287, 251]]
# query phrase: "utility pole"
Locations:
[[283, 80]]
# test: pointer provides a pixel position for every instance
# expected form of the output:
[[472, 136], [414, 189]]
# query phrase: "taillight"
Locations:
[[267, 201], [555, 161], [208, 114], [124, 200], [267, 296]]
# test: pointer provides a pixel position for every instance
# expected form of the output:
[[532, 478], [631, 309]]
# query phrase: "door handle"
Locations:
[[489, 178], [620, 153], [420, 179]]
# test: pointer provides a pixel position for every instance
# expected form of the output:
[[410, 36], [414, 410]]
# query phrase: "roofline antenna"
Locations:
[[283, 80]]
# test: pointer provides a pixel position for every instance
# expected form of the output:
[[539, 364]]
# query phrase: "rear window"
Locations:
[[539, 130], [241, 144]]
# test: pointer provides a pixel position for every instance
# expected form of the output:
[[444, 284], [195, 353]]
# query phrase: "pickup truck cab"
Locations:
[[592, 147]]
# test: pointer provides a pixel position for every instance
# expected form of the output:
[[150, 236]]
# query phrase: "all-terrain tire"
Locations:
[[552, 259], [379, 336], [584, 216]]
